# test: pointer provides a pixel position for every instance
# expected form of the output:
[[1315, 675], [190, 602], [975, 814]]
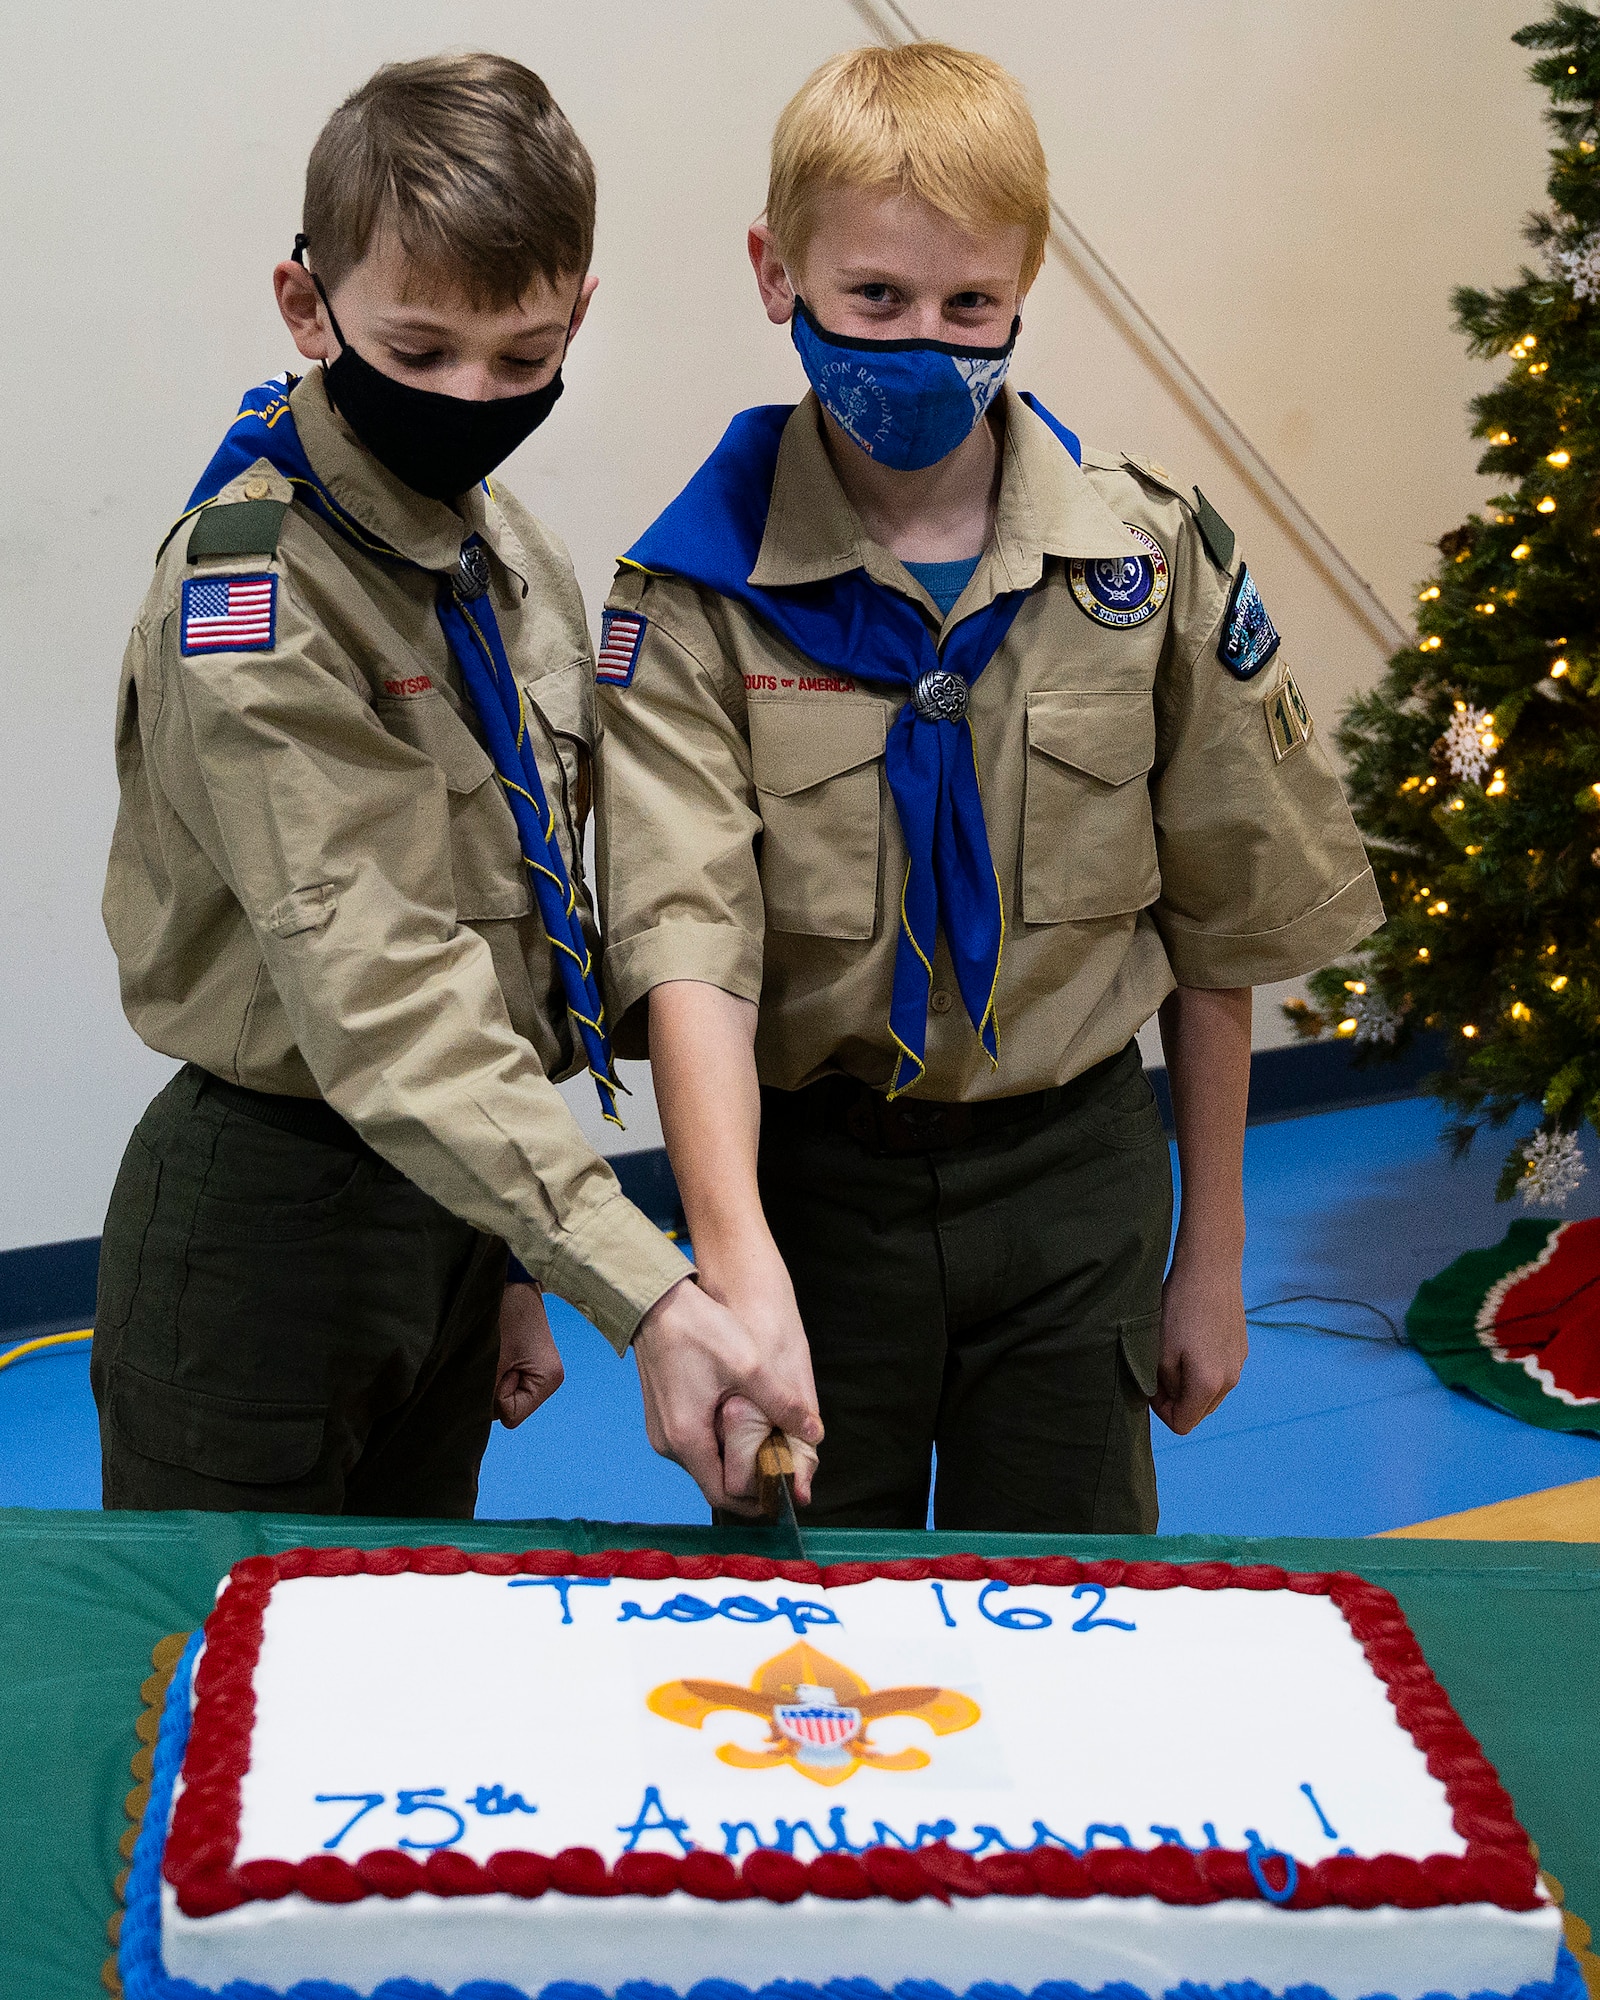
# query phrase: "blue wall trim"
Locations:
[[52, 1284]]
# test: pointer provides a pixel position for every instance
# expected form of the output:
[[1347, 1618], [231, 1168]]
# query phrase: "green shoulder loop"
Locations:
[[237, 528], [1214, 531]]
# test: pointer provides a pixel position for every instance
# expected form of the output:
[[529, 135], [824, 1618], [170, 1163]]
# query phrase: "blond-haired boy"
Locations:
[[938, 756], [346, 885]]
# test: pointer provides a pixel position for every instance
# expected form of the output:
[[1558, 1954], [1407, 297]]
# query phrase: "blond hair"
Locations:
[[926, 119], [470, 162]]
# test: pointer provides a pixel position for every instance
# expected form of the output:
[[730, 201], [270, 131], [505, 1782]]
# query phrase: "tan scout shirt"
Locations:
[[315, 883], [1146, 828]]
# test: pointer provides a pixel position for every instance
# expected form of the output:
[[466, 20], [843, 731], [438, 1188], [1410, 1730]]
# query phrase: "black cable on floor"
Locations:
[[1395, 1333]]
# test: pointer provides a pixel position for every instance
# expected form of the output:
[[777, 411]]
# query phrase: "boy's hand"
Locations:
[[1204, 1341], [744, 1430], [530, 1364], [693, 1356]]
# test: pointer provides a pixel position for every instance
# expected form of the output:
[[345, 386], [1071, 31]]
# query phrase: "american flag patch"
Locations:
[[621, 635], [228, 614]]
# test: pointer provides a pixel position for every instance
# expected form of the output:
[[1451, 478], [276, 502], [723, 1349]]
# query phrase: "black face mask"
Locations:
[[437, 445]]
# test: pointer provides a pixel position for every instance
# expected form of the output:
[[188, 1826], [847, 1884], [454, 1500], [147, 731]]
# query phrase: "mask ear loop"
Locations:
[[302, 244]]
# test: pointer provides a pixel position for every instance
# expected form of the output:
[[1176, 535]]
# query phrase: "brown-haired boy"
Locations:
[[935, 762], [345, 887]]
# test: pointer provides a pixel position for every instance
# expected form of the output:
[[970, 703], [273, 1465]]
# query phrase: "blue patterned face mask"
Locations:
[[906, 403]]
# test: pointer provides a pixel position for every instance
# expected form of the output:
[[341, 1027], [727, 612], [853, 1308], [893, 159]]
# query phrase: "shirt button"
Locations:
[[257, 489], [940, 1003]]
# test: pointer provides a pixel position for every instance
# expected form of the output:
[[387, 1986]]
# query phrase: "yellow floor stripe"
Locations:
[[1558, 1514]]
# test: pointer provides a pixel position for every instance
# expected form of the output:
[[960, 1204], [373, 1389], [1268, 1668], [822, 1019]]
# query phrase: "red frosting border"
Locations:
[[1497, 1867]]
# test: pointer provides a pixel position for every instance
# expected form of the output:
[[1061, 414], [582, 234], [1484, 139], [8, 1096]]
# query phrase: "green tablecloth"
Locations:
[[1511, 1628]]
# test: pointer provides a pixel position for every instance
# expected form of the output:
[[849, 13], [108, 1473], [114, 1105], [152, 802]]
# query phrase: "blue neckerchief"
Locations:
[[711, 535], [265, 428]]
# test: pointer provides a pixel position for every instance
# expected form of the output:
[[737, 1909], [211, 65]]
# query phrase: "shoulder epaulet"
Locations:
[[1214, 531], [237, 528], [1154, 471]]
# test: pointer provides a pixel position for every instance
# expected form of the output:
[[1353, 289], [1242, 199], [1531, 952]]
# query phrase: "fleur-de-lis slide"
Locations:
[[817, 1713]]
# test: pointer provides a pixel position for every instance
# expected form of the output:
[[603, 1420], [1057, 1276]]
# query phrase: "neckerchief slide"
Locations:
[[265, 428]]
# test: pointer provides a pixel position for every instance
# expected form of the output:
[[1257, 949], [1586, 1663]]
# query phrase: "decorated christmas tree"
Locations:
[[1474, 766]]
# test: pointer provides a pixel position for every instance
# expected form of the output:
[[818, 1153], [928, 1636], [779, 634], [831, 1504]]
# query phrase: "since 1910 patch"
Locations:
[[621, 636], [1249, 637], [1121, 591]]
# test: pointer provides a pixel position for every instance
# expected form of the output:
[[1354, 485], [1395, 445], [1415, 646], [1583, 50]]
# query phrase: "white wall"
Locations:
[[1290, 188]]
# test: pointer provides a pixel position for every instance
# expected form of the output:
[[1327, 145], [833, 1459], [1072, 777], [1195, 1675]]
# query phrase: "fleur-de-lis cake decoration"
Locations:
[[817, 1713]]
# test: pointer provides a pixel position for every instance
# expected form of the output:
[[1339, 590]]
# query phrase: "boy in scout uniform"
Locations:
[[938, 755], [346, 891]]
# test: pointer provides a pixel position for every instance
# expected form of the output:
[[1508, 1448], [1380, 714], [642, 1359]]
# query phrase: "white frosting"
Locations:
[[1023, 1940], [1211, 1717]]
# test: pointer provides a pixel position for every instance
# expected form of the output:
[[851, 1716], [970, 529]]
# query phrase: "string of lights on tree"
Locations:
[[1474, 766]]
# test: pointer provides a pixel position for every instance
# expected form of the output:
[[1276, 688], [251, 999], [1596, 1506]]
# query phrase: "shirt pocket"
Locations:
[[1088, 839], [561, 719], [491, 882], [816, 768]]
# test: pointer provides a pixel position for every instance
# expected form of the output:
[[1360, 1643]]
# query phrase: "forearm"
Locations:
[[702, 1059], [1205, 1034]]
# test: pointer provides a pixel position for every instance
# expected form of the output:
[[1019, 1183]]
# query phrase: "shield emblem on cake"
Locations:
[[819, 1731]]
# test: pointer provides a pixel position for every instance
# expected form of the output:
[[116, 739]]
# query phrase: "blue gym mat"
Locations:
[[1325, 1435]]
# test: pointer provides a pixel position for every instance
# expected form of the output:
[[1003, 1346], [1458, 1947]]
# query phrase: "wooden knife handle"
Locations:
[[774, 1464]]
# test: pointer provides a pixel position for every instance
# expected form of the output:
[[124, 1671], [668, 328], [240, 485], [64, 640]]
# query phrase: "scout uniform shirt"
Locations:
[[316, 886], [1159, 809]]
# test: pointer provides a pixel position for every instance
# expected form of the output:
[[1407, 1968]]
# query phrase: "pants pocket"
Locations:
[[122, 1241], [247, 1443], [1139, 1341]]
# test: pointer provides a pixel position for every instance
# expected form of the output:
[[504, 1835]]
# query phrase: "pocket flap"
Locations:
[[1110, 734], [220, 1437], [795, 745], [565, 699], [1140, 1340], [429, 724]]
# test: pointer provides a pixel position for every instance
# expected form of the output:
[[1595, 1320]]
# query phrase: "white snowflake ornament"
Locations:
[[1555, 1167], [1468, 741], [1580, 267], [1375, 1021]]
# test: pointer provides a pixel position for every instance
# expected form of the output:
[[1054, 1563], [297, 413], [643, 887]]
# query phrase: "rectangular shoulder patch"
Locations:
[[229, 614], [621, 636], [1288, 718], [1249, 637]]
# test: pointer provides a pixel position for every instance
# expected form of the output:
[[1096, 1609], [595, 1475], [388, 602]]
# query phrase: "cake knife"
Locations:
[[775, 1489]]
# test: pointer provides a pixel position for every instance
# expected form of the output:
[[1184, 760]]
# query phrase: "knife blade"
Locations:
[[775, 1490]]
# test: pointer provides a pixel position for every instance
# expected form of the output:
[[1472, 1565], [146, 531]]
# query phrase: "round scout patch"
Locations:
[[1122, 590]]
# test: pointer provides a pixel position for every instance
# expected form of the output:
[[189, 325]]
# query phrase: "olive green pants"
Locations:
[[285, 1324], [997, 1303]]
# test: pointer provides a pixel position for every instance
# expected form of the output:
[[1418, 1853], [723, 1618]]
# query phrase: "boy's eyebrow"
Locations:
[[878, 274], [421, 321]]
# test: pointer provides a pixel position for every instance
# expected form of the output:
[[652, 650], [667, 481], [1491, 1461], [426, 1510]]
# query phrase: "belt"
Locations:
[[305, 1117], [843, 1104]]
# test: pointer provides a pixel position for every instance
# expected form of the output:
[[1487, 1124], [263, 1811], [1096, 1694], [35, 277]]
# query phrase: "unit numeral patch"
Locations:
[[621, 636], [1288, 718]]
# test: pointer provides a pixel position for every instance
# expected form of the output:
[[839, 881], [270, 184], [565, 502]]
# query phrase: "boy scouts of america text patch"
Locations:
[[1249, 637], [228, 614], [1122, 590], [621, 636], [1288, 718]]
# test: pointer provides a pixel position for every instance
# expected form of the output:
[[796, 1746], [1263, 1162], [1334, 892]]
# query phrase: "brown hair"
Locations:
[[926, 119], [471, 163]]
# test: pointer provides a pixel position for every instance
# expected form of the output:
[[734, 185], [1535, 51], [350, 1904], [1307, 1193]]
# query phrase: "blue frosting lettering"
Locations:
[[493, 1800], [562, 1586], [1322, 1818], [1258, 1854], [927, 1835], [1173, 1838], [944, 1609], [662, 1823], [686, 1610], [1022, 1618]]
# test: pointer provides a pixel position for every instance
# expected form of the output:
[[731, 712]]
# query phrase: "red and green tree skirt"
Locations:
[[1519, 1325], [1474, 766]]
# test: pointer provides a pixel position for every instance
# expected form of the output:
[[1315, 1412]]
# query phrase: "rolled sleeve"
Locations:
[[1263, 873], [676, 819], [336, 839]]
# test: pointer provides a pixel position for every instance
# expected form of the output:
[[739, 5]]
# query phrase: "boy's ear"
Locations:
[[302, 311], [772, 276], [580, 311]]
